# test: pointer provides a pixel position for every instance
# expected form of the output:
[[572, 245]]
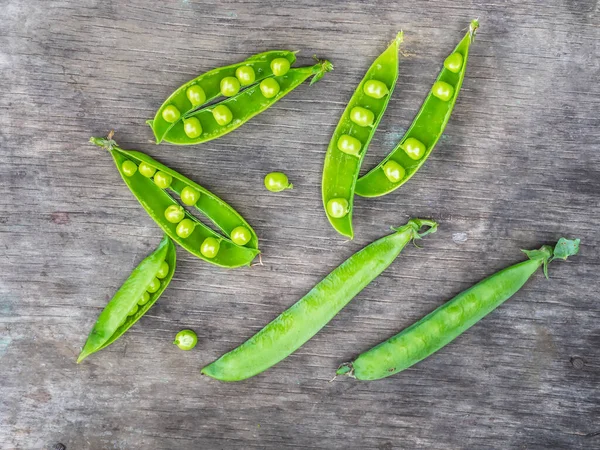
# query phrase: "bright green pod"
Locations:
[[207, 87], [165, 210], [311, 313], [349, 143], [450, 320], [120, 313], [427, 127], [245, 105]]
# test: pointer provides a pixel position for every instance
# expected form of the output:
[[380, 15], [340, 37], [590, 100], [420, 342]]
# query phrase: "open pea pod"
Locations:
[[149, 180], [427, 128], [352, 136], [136, 296], [221, 118], [207, 87]]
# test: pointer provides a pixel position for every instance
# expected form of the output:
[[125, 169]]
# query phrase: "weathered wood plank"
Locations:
[[517, 167]]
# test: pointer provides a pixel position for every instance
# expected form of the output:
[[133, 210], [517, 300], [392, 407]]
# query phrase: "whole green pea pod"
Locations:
[[446, 323], [305, 318], [133, 299]]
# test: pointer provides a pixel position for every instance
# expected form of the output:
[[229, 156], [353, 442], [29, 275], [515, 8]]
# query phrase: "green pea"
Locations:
[[454, 62], [362, 116], [230, 86], [442, 90], [245, 74], [186, 339], [195, 95], [414, 148], [185, 228], [147, 170], [174, 213], [210, 247], [280, 66], [162, 179], [153, 286], [129, 168], [337, 207], [163, 271], [189, 195], [171, 114], [349, 145], [241, 235], [192, 127], [145, 298], [393, 171], [133, 310], [277, 182], [222, 115], [269, 87], [375, 89]]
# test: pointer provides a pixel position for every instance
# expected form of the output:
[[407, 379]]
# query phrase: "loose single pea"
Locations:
[[230, 86], [162, 179], [442, 90], [192, 127], [163, 270], [153, 286], [195, 95], [144, 299], [375, 89], [245, 74], [186, 339], [280, 66], [133, 310], [147, 170], [454, 62], [337, 207], [174, 213], [222, 115], [185, 228], [171, 114], [189, 195], [129, 168], [269, 87], [241, 235], [362, 117], [349, 145], [414, 148], [393, 171], [210, 247], [277, 182]]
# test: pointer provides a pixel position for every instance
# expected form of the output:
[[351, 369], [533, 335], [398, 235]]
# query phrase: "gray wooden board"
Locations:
[[517, 167]]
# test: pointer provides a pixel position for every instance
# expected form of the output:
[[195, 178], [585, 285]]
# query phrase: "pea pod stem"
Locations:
[[295, 326], [447, 322]]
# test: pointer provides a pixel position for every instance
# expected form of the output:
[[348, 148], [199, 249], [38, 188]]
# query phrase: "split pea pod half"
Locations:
[[443, 325], [213, 84], [305, 318], [139, 292], [218, 119], [418, 142], [352, 136], [149, 181]]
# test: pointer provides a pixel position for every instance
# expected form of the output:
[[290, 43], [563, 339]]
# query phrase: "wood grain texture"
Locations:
[[518, 166]]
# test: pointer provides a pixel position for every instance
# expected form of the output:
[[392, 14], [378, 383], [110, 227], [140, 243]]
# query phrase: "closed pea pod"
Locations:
[[353, 134], [231, 113], [446, 323], [133, 299], [291, 329], [207, 87], [184, 228], [427, 127]]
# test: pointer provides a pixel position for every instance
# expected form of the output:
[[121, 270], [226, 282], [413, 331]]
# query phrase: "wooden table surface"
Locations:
[[517, 167]]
